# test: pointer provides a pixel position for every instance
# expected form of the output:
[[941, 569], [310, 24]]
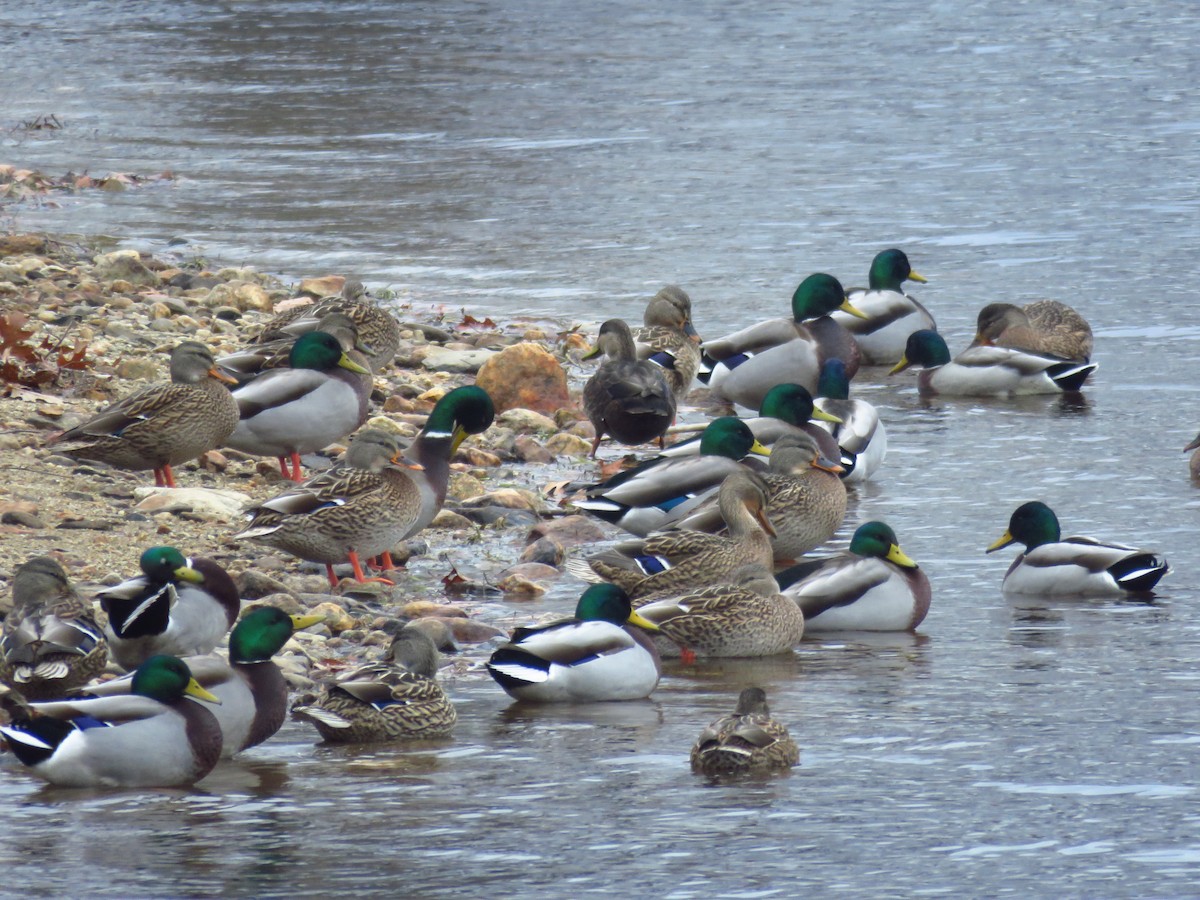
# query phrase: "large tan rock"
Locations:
[[524, 376]]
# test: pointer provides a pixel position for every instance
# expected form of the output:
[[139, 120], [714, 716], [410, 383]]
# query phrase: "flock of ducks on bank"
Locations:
[[718, 567]]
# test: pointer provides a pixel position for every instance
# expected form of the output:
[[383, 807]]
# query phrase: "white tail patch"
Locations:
[[324, 716]]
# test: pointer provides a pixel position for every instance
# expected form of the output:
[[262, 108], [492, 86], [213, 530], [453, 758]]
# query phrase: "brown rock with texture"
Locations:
[[524, 376]]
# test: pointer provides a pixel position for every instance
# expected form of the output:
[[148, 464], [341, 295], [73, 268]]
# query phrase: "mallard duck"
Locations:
[[746, 617], [320, 398], [1046, 327], [1052, 564], [156, 737], [378, 329], [669, 340], [251, 361], [988, 371], [626, 398], [660, 490], [50, 642], [356, 511], [787, 409], [396, 700], [1194, 460], [677, 561], [249, 686], [806, 500], [594, 656], [177, 606], [747, 742], [889, 314], [747, 364], [162, 425], [855, 426], [873, 586]]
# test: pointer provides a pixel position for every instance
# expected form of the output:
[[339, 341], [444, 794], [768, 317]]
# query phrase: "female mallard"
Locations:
[[787, 409], [156, 737], [249, 687], [319, 399], [248, 363], [747, 617], [855, 426], [873, 586], [988, 371], [747, 364], [660, 490], [806, 500], [627, 398], [50, 642], [358, 510], [748, 742], [594, 656], [177, 606], [1052, 564], [377, 328], [162, 425], [1046, 327], [669, 340], [679, 561], [1194, 460], [388, 701], [889, 314]]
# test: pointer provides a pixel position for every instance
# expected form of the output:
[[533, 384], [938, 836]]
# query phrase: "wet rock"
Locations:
[[23, 519], [125, 265], [18, 244], [565, 444], [544, 551], [468, 631], [532, 571], [448, 360], [86, 525], [450, 520], [499, 515], [207, 503], [521, 588], [324, 286], [337, 619], [438, 632], [567, 531], [464, 487], [525, 376], [419, 609], [526, 421], [282, 601], [527, 449], [511, 498], [253, 584], [476, 457], [138, 369]]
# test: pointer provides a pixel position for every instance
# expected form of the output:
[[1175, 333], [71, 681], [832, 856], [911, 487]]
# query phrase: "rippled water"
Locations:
[[571, 160]]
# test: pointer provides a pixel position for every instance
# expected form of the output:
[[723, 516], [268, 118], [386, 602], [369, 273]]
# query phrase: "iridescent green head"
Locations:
[[819, 295], [464, 411], [924, 348], [166, 564], [889, 269], [1031, 524], [608, 603], [321, 351], [167, 679], [792, 403], [262, 632], [730, 436], [878, 540]]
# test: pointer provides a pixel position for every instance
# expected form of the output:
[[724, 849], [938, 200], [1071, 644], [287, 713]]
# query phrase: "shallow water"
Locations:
[[541, 157]]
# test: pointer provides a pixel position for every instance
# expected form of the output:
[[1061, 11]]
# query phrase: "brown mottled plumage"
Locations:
[[386, 701], [626, 398], [164, 424], [747, 742], [378, 329], [50, 643], [1046, 327], [682, 560], [748, 617], [669, 340]]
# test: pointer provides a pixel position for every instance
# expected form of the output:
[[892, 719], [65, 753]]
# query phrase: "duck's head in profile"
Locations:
[[924, 348], [1032, 524], [819, 295], [889, 269]]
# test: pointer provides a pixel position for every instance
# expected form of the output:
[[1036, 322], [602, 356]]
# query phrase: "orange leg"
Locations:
[[358, 572], [158, 478], [333, 579], [168, 476], [686, 656], [294, 474]]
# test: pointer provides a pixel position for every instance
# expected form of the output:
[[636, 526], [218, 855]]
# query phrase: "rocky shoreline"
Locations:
[[84, 325]]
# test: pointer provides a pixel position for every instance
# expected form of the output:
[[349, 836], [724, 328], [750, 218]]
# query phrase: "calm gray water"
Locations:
[[571, 159]]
